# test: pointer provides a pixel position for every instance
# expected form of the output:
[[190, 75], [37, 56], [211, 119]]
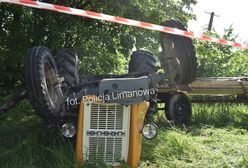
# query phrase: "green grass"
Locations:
[[217, 137], [26, 143], [202, 147]]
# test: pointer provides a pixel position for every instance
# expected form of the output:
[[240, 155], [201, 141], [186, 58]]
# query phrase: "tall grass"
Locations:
[[36, 147], [25, 142], [221, 114], [217, 138]]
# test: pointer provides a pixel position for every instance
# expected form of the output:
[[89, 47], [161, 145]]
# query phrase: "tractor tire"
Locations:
[[179, 108], [43, 86], [68, 67], [180, 50], [142, 62]]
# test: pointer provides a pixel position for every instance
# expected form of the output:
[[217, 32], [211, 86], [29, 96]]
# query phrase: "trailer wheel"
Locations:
[[43, 84], [178, 54], [142, 62], [68, 67], [179, 108]]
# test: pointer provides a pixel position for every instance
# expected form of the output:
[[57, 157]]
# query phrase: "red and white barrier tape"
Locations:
[[120, 20]]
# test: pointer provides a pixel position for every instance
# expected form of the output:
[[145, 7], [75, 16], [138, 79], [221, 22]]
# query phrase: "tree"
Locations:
[[215, 60], [103, 47]]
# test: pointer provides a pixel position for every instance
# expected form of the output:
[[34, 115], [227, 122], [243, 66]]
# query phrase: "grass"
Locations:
[[26, 143], [217, 137], [203, 147]]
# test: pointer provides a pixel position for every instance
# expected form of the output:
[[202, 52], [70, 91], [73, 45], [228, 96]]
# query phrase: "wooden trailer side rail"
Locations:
[[213, 86]]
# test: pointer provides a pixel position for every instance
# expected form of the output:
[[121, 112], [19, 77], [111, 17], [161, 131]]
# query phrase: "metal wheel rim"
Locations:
[[51, 82], [179, 109]]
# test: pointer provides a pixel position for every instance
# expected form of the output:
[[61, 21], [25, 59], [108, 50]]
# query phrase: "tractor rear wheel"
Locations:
[[68, 67], [142, 62], [43, 83]]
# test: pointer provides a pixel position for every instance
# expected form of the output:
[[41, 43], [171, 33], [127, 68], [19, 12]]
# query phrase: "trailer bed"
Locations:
[[216, 86]]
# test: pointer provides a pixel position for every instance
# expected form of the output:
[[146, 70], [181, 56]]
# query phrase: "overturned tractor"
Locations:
[[109, 114]]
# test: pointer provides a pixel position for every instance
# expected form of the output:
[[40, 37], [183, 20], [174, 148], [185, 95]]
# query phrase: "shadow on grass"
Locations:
[[26, 142], [36, 146]]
